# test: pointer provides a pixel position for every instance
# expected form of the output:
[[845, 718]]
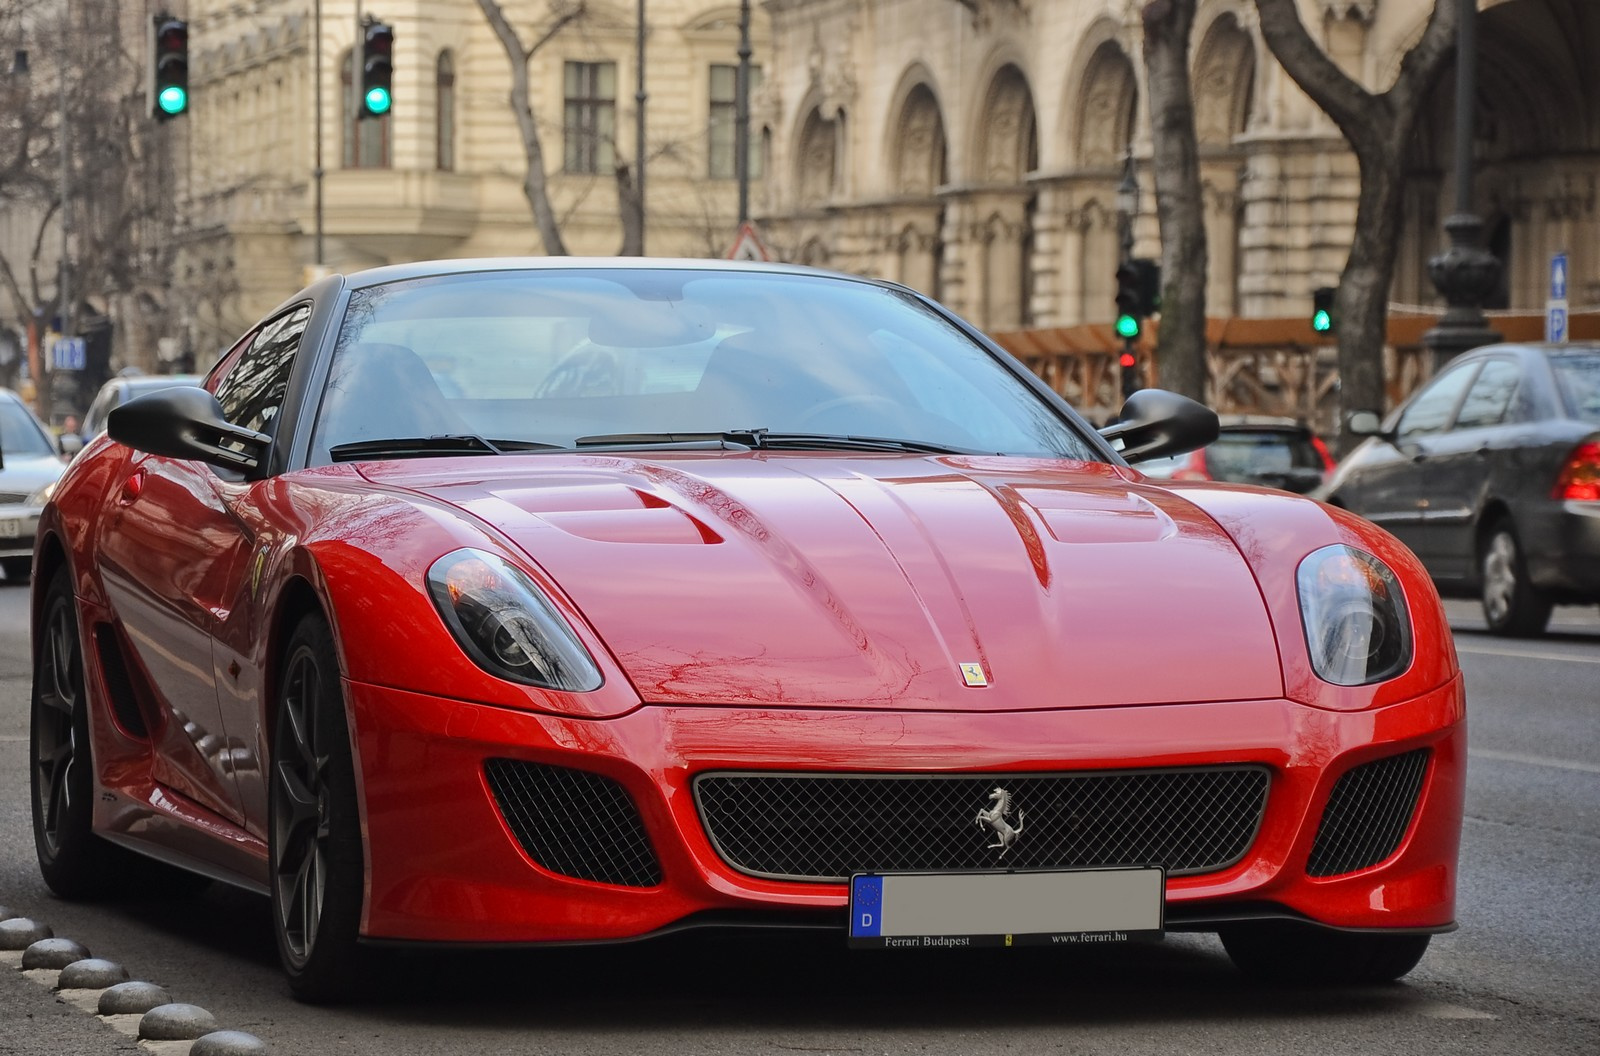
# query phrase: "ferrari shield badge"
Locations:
[[997, 819], [972, 675]]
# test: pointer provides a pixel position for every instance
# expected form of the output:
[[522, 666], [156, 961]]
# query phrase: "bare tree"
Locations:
[[1378, 127], [535, 184], [1181, 346]]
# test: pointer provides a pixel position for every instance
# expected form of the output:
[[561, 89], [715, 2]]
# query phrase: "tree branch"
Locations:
[[1354, 109]]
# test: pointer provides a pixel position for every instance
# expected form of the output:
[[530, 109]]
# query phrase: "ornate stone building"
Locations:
[[972, 148], [441, 176]]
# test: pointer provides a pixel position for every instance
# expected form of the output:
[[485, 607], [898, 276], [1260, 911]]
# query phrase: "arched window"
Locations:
[[444, 80], [366, 139]]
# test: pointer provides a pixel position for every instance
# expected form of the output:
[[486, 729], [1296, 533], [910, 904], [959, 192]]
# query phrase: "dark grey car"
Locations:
[[1490, 473]]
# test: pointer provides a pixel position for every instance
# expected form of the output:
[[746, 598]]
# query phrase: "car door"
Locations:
[[172, 552], [1460, 464], [1391, 487]]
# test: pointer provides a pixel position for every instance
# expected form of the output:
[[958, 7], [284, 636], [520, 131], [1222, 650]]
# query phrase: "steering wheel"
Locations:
[[585, 372]]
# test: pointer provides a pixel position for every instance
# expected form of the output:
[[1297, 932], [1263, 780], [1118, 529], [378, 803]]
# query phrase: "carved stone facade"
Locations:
[[1026, 109], [442, 175]]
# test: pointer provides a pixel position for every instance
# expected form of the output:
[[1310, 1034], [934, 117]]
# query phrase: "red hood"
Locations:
[[867, 581]]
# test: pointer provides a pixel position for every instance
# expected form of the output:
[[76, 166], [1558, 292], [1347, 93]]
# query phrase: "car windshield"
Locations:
[[1579, 378], [639, 357], [20, 435], [1242, 455]]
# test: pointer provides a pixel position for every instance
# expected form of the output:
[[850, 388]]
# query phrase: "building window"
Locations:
[[723, 124], [444, 79], [366, 139], [591, 116]]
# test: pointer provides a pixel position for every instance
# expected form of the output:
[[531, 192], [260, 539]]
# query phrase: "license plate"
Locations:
[[1066, 908], [10, 527]]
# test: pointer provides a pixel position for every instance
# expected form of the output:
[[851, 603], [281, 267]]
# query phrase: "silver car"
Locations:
[[33, 463]]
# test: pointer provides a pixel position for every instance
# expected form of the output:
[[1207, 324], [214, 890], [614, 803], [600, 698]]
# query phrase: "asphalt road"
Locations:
[[1521, 976]]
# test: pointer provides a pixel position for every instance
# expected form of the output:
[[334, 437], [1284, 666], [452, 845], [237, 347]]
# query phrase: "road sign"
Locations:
[[1555, 309], [748, 245], [68, 353], [1555, 324]]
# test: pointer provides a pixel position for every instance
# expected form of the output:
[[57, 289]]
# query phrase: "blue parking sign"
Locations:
[[1558, 277], [1555, 324]]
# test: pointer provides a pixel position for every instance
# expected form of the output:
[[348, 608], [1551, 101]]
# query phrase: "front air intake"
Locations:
[[574, 823], [1368, 814]]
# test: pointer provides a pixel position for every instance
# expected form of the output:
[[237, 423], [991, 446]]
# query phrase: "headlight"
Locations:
[[1357, 625], [507, 625], [42, 496]]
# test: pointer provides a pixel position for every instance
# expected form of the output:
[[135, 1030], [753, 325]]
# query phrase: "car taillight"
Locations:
[[1580, 477], [1324, 453], [1195, 468]]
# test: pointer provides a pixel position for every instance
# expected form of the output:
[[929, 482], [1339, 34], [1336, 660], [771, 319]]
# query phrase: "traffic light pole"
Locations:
[[317, 170]]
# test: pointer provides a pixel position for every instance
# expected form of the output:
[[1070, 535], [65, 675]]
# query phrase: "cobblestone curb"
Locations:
[[102, 989]]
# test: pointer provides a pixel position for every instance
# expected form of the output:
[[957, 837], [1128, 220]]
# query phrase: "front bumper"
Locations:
[[19, 525], [443, 865]]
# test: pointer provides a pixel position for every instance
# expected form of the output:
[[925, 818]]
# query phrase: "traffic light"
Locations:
[[377, 70], [1149, 286], [170, 67], [1129, 301], [1130, 372], [1322, 309]]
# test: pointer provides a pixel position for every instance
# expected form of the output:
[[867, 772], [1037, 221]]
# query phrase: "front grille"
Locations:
[[574, 823], [1368, 814], [824, 827], [13, 498]]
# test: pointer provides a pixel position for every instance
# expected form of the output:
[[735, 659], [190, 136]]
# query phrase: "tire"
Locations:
[[1303, 953], [314, 831], [1512, 605], [74, 862], [17, 569]]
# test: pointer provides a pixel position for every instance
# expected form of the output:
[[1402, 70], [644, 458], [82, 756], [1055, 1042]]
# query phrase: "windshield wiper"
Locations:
[[425, 446], [766, 439]]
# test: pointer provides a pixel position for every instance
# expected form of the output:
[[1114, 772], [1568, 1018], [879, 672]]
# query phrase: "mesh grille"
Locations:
[[574, 823], [13, 498], [1368, 814], [826, 826]]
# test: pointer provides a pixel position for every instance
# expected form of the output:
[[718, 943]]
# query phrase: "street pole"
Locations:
[[44, 397], [1465, 274], [741, 120], [1127, 209], [316, 76], [638, 130]]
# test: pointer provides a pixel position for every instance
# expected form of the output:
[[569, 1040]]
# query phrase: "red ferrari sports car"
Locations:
[[511, 601]]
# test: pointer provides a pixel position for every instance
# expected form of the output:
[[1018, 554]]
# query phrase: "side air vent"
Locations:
[[114, 671], [574, 822], [1368, 814]]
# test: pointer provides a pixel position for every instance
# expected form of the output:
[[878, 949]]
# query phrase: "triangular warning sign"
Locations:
[[748, 245]]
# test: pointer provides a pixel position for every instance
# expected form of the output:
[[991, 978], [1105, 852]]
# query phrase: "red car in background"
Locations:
[[551, 601]]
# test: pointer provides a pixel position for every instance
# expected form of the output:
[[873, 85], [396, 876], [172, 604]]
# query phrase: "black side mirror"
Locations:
[[1155, 423], [186, 422], [1365, 423]]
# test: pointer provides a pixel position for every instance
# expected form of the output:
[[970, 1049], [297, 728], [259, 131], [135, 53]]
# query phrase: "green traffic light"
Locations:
[[173, 100], [1127, 326], [1321, 321], [378, 100]]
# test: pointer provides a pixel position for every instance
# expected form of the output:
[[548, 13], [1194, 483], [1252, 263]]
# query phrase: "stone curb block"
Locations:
[[176, 1022], [228, 1043], [132, 999], [91, 973], [53, 953], [19, 933]]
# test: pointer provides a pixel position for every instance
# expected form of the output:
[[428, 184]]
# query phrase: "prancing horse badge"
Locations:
[[973, 675]]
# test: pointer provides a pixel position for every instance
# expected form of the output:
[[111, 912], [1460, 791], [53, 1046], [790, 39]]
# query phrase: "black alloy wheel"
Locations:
[[314, 847], [1512, 605], [1298, 954], [74, 862]]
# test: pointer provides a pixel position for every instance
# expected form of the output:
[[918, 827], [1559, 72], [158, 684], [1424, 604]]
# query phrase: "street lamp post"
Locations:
[[1466, 273]]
